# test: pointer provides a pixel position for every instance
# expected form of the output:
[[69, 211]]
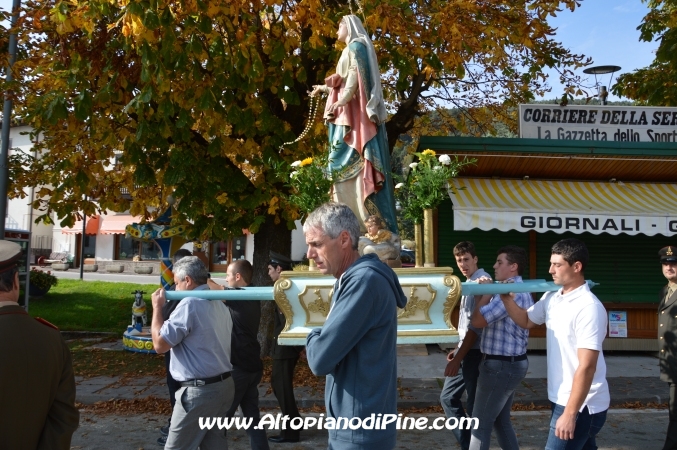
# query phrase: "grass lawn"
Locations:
[[75, 305]]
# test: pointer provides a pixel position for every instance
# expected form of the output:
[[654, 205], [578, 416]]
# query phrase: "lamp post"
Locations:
[[602, 91], [82, 246], [7, 118]]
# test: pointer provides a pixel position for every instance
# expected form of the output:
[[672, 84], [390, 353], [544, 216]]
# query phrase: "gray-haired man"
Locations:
[[198, 334], [356, 347]]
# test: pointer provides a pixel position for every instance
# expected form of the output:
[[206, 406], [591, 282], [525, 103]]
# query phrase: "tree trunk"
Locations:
[[275, 237]]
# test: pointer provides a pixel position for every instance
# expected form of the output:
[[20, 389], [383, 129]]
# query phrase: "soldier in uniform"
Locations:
[[667, 337], [37, 385], [284, 359]]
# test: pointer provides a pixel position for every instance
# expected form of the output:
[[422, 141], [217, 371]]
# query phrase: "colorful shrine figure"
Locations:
[[356, 115], [378, 240]]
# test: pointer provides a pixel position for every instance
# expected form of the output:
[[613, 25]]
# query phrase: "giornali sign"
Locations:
[[598, 123]]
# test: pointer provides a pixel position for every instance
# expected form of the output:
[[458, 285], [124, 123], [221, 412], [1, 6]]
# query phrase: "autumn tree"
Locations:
[[656, 84], [193, 98]]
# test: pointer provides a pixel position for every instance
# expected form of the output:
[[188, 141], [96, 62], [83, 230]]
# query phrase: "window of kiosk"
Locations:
[[150, 251], [22, 238], [126, 247], [90, 246], [239, 247], [22, 261], [220, 252]]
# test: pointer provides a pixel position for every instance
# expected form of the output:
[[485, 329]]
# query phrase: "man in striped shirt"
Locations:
[[504, 349]]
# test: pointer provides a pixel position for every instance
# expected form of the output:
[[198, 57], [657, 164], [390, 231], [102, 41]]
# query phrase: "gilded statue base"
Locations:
[[305, 300]]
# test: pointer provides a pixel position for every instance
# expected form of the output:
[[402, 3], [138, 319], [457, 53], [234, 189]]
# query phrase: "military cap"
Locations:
[[277, 259], [10, 252], [668, 254]]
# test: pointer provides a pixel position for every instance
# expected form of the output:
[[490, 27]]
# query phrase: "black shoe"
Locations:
[[161, 441], [279, 439], [164, 430]]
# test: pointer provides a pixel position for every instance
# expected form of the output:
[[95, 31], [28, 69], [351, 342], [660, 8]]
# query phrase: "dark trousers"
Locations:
[[247, 398], [450, 398], [671, 438], [283, 388], [172, 384]]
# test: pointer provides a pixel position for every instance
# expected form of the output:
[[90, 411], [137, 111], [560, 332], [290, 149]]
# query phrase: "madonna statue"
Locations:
[[355, 115]]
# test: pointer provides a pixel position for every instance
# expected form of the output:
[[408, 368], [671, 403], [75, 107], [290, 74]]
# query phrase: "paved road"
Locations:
[[624, 430]]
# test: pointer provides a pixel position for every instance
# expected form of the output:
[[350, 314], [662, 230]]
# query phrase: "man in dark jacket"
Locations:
[[667, 337], [284, 359], [245, 351], [356, 346], [37, 386]]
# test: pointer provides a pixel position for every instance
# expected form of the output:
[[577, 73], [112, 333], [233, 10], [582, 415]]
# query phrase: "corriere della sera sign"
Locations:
[[598, 123]]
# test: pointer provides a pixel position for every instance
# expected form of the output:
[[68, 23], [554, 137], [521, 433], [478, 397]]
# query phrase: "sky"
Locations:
[[606, 30]]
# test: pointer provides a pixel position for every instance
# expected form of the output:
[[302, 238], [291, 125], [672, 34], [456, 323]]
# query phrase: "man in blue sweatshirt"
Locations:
[[356, 347]]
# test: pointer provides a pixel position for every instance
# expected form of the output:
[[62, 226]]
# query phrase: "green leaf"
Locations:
[[144, 175], [257, 64], [146, 94], [174, 175], [205, 25], [214, 148], [184, 117], [206, 101], [83, 107], [278, 53], [56, 110], [82, 180], [195, 44], [166, 18], [135, 8], [151, 20]]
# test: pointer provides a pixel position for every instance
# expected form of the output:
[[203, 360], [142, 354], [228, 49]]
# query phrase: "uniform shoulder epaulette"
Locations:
[[44, 322]]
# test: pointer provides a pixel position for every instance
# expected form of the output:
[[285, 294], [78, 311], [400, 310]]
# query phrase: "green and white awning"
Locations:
[[565, 206]]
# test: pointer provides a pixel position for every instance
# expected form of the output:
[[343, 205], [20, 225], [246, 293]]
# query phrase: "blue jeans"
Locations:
[[587, 427], [493, 400], [450, 398]]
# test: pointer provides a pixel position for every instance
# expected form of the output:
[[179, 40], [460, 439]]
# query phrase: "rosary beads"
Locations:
[[314, 106]]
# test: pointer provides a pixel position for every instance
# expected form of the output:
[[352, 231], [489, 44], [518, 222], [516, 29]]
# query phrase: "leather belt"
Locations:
[[507, 358], [205, 381]]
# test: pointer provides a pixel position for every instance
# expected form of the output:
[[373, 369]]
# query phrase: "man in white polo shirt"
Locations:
[[576, 325]]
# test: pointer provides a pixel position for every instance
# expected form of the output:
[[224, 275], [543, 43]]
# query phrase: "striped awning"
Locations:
[[115, 224], [91, 227], [565, 206]]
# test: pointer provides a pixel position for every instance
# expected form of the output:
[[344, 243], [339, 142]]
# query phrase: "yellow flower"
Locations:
[[429, 152], [306, 162]]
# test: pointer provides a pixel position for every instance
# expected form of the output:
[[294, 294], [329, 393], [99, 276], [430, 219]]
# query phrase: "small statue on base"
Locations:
[[139, 318], [384, 243]]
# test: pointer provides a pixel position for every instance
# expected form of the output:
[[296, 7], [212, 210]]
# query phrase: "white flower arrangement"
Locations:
[[445, 160], [427, 184]]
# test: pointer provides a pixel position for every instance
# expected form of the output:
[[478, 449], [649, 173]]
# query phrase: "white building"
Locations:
[[20, 214], [105, 239]]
